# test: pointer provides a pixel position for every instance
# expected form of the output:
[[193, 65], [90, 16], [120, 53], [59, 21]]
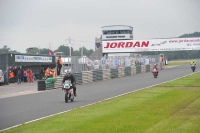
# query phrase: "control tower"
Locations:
[[112, 33]]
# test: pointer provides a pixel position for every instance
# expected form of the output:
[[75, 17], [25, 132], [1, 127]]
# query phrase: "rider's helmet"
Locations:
[[68, 72]]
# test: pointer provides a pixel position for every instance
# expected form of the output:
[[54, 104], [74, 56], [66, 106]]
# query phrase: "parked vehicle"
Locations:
[[68, 90], [1, 77]]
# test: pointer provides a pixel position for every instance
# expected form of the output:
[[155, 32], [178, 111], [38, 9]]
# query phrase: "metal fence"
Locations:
[[78, 64]]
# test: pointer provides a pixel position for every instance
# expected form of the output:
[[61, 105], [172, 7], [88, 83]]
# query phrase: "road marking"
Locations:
[[94, 103]]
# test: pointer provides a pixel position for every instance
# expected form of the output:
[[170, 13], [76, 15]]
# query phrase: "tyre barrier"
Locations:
[[41, 85], [143, 69], [99, 75], [133, 70], [113, 73], [87, 77], [147, 68], [127, 71], [94, 75], [138, 69], [106, 74], [49, 86], [78, 77]]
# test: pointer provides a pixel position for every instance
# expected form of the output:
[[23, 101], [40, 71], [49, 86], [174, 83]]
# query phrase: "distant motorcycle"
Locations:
[[155, 73], [193, 68], [68, 90]]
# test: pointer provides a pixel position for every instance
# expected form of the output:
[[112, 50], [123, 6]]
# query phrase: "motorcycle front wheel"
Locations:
[[66, 97]]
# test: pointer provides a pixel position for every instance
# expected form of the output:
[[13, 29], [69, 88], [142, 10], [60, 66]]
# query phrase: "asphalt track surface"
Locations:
[[23, 108]]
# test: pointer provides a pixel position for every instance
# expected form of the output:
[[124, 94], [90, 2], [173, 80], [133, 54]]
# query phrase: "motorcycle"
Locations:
[[68, 90], [193, 68], [155, 73]]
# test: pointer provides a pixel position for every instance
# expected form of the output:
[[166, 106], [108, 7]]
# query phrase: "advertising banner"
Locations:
[[176, 44], [115, 63], [127, 62], [23, 58]]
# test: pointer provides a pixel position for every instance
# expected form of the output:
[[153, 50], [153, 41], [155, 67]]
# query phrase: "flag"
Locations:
[[50, 52]]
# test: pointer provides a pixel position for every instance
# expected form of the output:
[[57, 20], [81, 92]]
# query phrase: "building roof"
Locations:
[[116, 26]]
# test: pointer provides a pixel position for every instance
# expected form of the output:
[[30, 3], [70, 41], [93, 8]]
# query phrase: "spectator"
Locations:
[[47, 73], [11, 76], [54, 73], [42, 72], [30, 76], [34, 78], [25, 76], [22, 73], [19, 76], [59, 65]]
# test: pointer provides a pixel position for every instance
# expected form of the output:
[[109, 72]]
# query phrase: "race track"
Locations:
[[19, 109]]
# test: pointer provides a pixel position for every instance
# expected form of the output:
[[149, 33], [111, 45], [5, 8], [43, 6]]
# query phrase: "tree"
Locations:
[[5, 49], [32, 50], [43, 51], [64, 49]]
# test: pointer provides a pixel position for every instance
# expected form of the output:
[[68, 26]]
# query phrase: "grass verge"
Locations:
[[181, 62], [169, 107]]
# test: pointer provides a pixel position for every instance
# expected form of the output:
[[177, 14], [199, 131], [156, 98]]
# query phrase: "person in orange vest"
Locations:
[[47, 73], [54, 73], [59, 65], [30, 76], [11, 77]]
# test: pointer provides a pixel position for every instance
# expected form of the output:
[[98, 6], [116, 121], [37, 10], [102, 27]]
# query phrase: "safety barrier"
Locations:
[[113, 73], [78, 77], [86, 77], [138, 69]]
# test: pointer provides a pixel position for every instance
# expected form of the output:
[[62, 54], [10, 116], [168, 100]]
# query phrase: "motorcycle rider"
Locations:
[[193, 64], [69, 76], [155, 67]]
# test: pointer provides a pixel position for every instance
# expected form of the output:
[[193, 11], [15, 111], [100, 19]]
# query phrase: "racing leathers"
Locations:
[[73, 81]]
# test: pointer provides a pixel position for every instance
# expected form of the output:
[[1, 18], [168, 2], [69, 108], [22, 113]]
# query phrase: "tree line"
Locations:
[[65, 49]]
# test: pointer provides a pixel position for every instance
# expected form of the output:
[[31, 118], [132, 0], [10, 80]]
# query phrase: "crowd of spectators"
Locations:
[[17, 75]]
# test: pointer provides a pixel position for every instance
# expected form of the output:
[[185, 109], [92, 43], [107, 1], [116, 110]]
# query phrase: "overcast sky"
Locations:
[[38, 23]]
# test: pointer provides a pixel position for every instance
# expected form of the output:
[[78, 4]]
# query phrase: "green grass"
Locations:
[[170, 107], [188, 81], [180, 62]]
